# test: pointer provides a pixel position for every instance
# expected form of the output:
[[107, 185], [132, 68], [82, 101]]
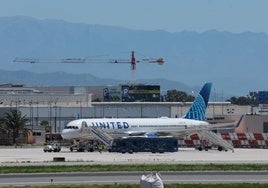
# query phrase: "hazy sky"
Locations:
[[169, 15]]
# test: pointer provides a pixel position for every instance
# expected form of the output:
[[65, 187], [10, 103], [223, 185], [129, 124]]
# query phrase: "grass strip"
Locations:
[[132, 167], [166, 186]]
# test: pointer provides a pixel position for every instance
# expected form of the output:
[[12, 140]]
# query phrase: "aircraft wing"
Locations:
[[223, 126], [192, 130]]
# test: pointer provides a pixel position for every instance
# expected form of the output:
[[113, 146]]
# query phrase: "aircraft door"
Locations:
[[84, 127]]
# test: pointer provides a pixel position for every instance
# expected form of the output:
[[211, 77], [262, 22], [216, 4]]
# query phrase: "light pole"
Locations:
[[55, 119]]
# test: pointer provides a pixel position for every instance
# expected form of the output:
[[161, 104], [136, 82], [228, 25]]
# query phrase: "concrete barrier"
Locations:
[[58, 159]]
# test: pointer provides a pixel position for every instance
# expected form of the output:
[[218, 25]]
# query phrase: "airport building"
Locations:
[[59, 105]]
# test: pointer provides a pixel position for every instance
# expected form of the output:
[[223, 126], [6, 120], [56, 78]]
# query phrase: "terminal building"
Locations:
[[59, 105]]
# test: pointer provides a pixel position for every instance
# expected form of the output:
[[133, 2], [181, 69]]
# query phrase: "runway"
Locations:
[[35, 155], [132, 178]]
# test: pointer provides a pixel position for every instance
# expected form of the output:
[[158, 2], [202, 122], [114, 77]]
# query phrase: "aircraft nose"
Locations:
[[67, 133], [64, 134], [70, 132]]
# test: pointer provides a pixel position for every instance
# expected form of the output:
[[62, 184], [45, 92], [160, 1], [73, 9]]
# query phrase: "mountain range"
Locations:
[[234, 62]]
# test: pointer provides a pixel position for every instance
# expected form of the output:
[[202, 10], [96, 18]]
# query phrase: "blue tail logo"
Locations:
[[198, 109]]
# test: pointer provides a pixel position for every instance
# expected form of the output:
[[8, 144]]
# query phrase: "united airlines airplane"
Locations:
[[192, 122]]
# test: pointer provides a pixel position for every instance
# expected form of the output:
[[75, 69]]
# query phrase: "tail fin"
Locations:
[[198, 109]]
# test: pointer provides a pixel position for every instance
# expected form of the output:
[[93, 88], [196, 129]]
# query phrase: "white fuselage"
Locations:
[[132, 126]]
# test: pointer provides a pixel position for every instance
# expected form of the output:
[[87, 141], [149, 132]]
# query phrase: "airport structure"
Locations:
[[59, 105]]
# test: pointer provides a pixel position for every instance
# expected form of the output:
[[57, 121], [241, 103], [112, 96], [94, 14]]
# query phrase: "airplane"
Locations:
[[191, 123]]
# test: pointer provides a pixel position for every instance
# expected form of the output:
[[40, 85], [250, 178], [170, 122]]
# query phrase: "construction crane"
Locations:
[[132, 61]]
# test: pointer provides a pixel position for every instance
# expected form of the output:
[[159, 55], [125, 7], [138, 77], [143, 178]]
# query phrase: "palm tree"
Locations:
[[3, 129], [15, 124], [46, 125]]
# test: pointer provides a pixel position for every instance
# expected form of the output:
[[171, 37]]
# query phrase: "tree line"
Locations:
[[250, 99], [179, 96]]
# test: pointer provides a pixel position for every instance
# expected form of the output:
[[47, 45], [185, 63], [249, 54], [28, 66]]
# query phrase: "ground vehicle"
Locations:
[[144, 144], [52, 147], [209, 147], [83, 146]]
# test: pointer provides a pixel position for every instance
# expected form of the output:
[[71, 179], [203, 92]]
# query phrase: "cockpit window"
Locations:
[[71, 127]]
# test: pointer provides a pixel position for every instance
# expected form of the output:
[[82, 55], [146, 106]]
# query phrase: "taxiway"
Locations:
[[34, 155]]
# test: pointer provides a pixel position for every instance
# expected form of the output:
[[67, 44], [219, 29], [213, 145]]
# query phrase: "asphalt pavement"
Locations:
[[36, 155]]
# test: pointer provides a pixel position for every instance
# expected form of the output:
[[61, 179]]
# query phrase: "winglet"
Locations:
[[239, 121], [198, 109]]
